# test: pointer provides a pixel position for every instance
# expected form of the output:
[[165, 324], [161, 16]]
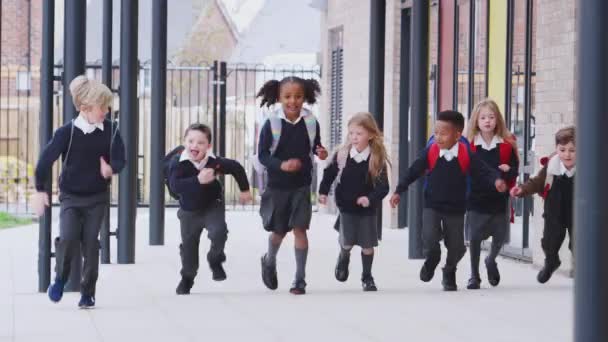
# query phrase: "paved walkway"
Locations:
[[137, 302]]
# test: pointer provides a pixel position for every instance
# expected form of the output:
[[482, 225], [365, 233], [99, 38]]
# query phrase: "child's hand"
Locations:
[[363, 201], [500, 185], [394, 201], [105, 169], [321, 152], [245, 197], [504, 167], [323, 199], [206, 176], [291, 165], [40, 201], [516, 191]]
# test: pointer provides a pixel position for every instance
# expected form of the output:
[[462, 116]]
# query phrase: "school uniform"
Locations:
[[558, 204], [202, 206], [488, 211], [285, 203], [357, 224], [445, 193], [83, 191]]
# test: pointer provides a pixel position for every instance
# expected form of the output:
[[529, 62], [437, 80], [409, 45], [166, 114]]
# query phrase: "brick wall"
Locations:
[[556, 44]]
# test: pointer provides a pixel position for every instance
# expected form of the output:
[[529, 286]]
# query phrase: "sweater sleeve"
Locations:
[[264, 145], [329, 175], [416, 170], [535, 184], [381, 187], [514, 166], [118, 153], [50, 153], [481, 170], [234, 168], [181, 184]]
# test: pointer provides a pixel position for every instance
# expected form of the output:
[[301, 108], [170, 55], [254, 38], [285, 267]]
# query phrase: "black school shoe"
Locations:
[[342, 267], [493, 274], [449, 280], [474, 283], [368, 284], [215, 264], [86, 302], [184, 286], [269, 274], [298, 287], [547, 271], [427, 271]]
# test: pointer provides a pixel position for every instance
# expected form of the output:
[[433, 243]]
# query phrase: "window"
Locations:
[[24, 80]]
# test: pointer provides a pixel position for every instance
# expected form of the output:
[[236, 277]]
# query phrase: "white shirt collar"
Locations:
[[281, 114], [198, 165], [479, 141], [564, 171], [359, 156], [450, 153], [85, 126]]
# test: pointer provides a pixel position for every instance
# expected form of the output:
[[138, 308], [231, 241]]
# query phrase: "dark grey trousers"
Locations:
[[80, 220], [481, 226], [436, 226], [192, 224]]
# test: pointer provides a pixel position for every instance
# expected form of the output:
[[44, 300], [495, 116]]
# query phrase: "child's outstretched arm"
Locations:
[[329, 175], [416, 170], [234, 168], [317, 147], [534, 185], [264, 145], [118, 158], [51, 152]]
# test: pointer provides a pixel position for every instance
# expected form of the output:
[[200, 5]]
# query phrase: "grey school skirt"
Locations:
[[358, 230], [283, 210]]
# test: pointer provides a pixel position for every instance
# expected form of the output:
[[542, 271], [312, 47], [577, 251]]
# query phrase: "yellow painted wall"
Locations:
[[497, 48]]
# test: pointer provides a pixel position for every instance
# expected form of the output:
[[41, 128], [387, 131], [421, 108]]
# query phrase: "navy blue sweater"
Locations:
[[81, 175], [483, 197], [294, 143], [446, 184], [355, 182], [194, 196]]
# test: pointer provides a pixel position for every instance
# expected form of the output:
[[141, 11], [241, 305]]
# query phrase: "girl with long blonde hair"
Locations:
[[360, 167]]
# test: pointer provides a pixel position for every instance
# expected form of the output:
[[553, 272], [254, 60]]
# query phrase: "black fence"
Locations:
[[192, 96]]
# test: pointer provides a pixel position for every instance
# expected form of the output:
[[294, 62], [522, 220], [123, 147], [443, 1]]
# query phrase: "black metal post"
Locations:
[[404, 107], [222, 116], [46, 132], [471, 90], [74, 57], [591, 185], [106, 77], [159, 112], [216, 142], [376, 71], [509, 65], [129, 68], [419, 115], [527, 119]]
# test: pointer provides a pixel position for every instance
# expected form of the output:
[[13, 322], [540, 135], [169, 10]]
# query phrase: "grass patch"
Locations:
[[8, 221]]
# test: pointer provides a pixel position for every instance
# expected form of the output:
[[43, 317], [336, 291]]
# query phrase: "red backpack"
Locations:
[[464, 159]]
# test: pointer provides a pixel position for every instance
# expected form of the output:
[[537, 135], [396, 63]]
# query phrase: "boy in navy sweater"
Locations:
[[91, 150], [201, 202], [446, 163]]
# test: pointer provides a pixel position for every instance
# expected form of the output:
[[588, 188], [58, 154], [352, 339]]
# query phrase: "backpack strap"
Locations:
[[341, 158], [67, 153], [505, 150], [276, 125], [311, 126], [432, 156], [464, 157]]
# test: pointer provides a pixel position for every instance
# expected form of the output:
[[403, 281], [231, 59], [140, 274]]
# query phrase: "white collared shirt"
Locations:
[[198, 165], [564, 171], [85, 126], [479, 141], [281, 114], [450, 153], [359, 156]]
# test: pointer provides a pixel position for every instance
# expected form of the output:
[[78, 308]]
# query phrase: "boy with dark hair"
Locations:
[[555, 184], [446, 164]]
